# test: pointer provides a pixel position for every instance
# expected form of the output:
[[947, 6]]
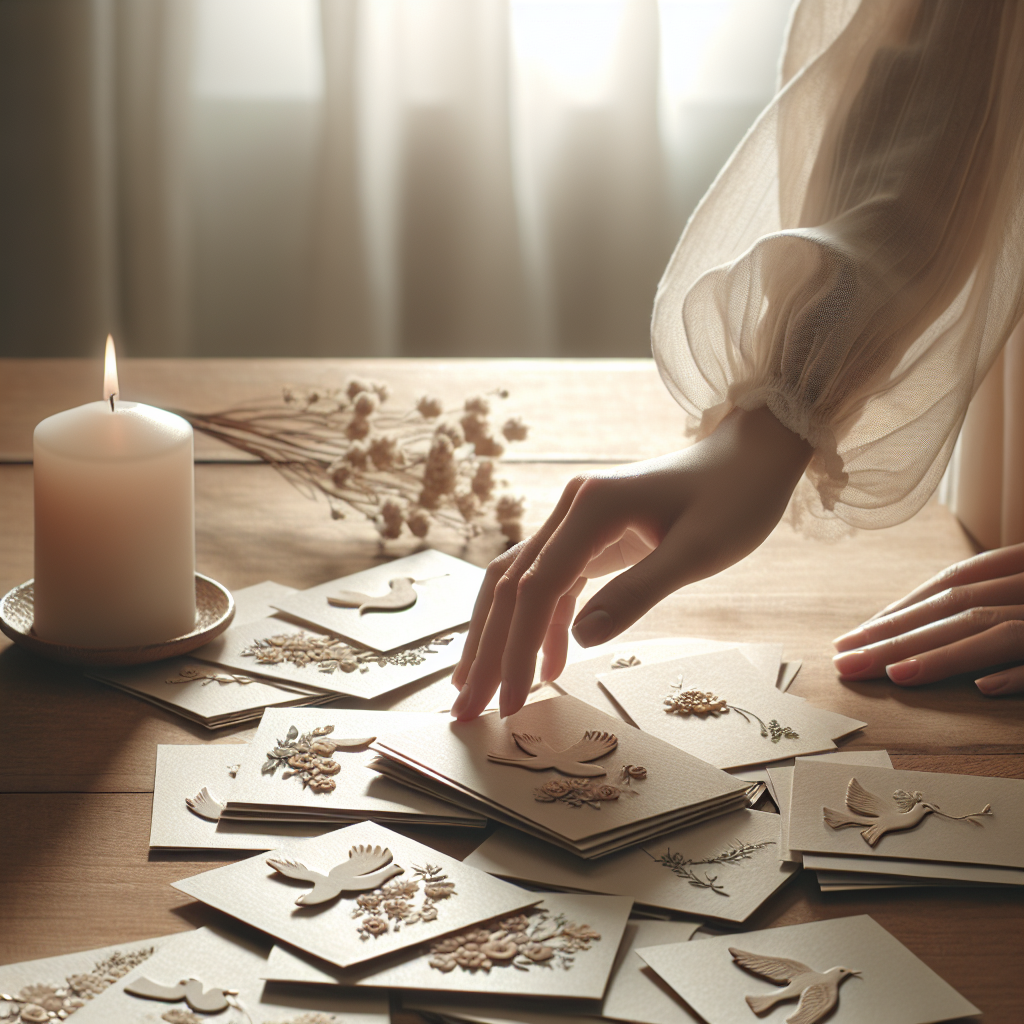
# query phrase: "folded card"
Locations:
[[716, 707], [356, 894], [563, 948], [849, 967], [392, 605]]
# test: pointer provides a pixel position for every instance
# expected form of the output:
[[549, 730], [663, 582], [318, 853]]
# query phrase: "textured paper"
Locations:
[[259, 600], [360, 792], [726, 740], [182, 771], [584, 978], [635, 993], [226, 961], [59, 972], [638, 873], [255, 893], [444, 603], [368, 681], [458, 751], [997, 842], [895, 987], [926, 870]]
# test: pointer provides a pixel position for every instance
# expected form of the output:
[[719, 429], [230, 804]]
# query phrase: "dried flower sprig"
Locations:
[[683, 866], [409, 470]]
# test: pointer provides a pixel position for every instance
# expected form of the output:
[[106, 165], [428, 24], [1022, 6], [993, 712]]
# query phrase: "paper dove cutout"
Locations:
[[205, 805], [400, 597], [367, 868], [198, 997], [818, 992], [568, 761], [881, 816]]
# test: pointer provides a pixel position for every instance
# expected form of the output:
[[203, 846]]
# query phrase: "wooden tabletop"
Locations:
[[76, 773]]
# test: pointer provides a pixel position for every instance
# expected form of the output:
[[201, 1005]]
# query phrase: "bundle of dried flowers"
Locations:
[[402, 470], [537, 940], [36, 1004]]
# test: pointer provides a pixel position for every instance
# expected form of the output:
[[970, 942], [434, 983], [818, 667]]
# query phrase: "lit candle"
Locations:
[[115, 526]]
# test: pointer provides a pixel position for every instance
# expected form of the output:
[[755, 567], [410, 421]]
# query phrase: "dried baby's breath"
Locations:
[[403, 470], [329, 654]]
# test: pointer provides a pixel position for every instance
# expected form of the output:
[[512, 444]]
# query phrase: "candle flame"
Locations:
[[110, 388]]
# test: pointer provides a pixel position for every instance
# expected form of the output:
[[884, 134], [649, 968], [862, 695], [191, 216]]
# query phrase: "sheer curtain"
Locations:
[[371, 177]]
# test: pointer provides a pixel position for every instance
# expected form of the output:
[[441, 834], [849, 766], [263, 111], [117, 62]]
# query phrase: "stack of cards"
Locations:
[[304, 773], [723, 869], [873, 827], [357, 894], [720, 708], [383, 639], [564, 772], [849, 969]]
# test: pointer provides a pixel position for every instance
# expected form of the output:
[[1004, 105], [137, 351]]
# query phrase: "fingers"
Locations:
[[1005, 590], [480, 665], [1010, 680], [986, 566], [999, 645], [870, 662], [556, 642]]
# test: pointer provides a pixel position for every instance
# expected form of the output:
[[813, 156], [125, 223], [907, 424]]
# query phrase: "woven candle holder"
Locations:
[[215, 608]]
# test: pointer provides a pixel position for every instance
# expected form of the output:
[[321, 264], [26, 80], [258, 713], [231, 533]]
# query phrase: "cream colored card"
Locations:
[[935, 871], [563, 948], [907, 815], [315, 660], [288, 766], [375, 892], [715, 707], [191, 786], [635, 993], [212, 976], [429, 593], [36, 990], [893, 985], [724, 868], [565, 766], [259, 600]]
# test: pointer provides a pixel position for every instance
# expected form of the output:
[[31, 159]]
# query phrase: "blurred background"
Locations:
[[360, 177]]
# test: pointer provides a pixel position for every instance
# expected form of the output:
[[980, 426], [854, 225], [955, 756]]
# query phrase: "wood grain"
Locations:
[[75, 869]]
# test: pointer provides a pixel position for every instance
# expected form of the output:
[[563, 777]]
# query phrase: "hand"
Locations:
[[967, 619], [675, 519]]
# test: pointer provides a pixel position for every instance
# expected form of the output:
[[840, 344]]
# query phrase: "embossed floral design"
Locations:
[[580, 792], [683, 866], [400, 903], [328, 654], [35, 1004], [207, 676], [306, 757], [695, 702], [307, 1018], [523, 942]]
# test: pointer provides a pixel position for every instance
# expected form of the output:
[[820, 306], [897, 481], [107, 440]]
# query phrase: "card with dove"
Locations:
[[310, 659], [849, 970], [893, 872], [564, 771], [313, 765], [716, 707], [189, 791], [56, 987], [634, 992], [723, 869], [356, 894], [878, 812], [561, 949], [212, 974], [393, 605]]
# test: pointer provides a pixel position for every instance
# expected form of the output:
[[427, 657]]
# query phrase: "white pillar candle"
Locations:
[[115, 525]]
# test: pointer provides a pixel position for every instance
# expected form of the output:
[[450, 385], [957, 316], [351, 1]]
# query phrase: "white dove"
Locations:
[[205, 805], [200, 998], [568, 761], [400, 596], [818, 991], [367, 868]]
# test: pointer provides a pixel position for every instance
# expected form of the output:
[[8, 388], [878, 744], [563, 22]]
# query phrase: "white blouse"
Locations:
[[859, 261]]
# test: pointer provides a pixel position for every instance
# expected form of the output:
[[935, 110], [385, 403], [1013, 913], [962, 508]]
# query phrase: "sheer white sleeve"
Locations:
[[859, 262]]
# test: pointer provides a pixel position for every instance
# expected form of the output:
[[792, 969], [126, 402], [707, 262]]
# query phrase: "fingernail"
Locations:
[[592, 628], [903, 671], [460, 703], [852, 639], [991, 686], [852, 663], [545, 670]]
